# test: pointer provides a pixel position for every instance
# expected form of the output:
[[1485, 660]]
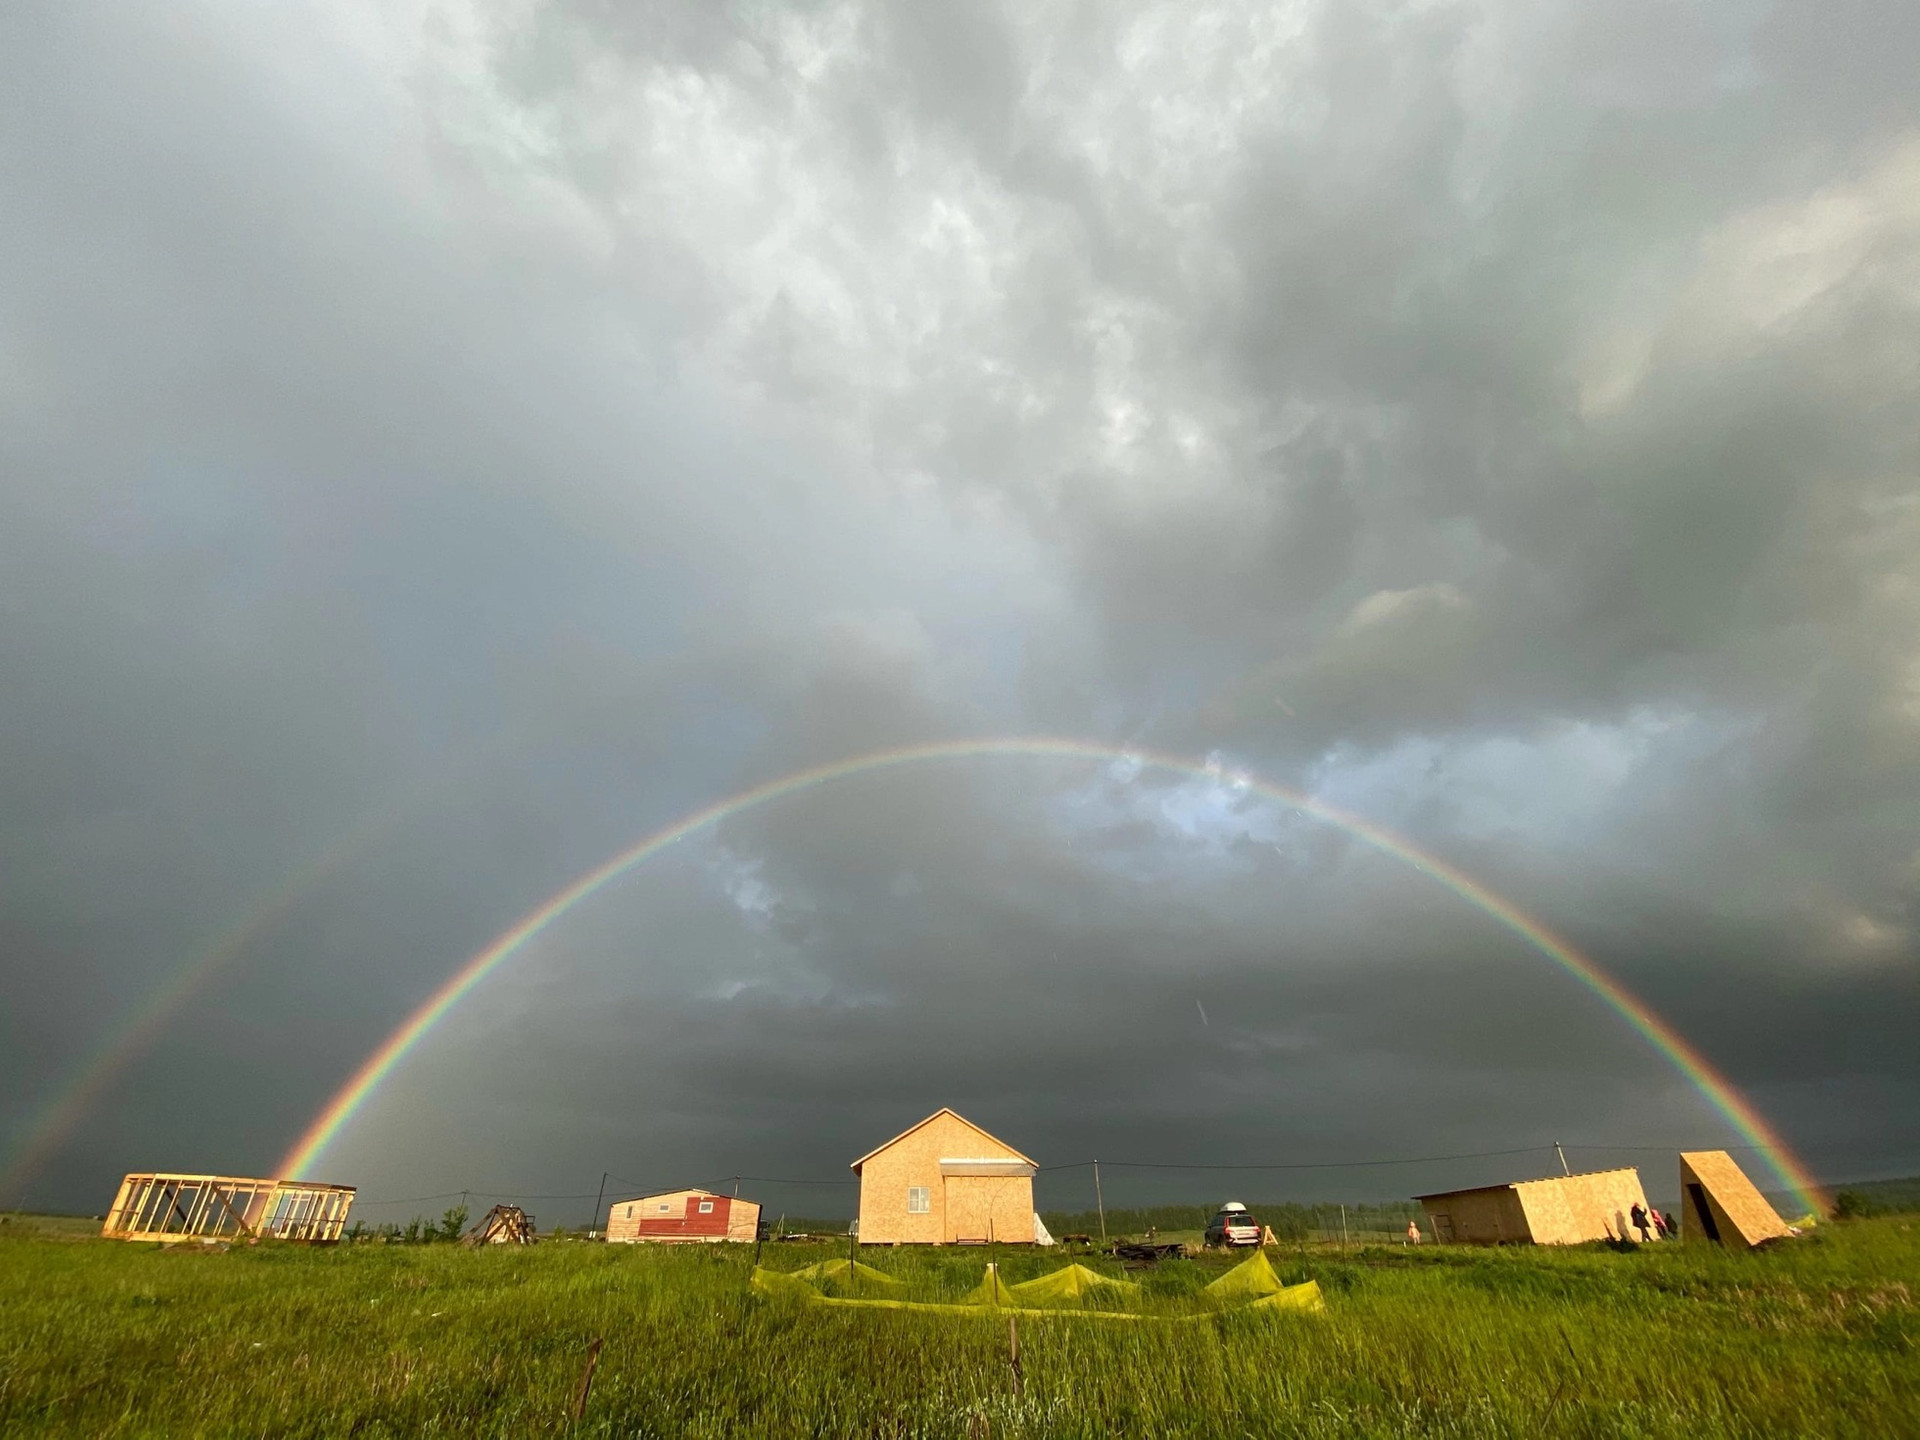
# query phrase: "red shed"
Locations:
[[683, 1215]]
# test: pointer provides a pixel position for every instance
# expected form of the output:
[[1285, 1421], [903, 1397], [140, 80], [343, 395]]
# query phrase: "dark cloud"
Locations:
[[438, 448]]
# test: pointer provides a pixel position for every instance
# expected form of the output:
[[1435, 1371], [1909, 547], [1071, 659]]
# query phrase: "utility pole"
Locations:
[[593, 1226], [1563, 1158], [736, 1187], [1343, 1225], [1099, 1200]]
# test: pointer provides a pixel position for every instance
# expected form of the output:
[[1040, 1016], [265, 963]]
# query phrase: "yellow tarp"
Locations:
[[991, 1290], [1291, 1297], [993, 1293], [773, 1282], [1250, 1279], [1068, 1286], [843, 1275]]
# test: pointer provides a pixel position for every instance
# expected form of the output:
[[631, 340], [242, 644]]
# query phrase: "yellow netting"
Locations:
[[845, 1277], [992, 1293], [1250, 1279], [1068, 1286], [1291, 1297], [991, 1290]]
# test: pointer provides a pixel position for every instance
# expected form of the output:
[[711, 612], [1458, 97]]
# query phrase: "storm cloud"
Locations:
[[442, 443]]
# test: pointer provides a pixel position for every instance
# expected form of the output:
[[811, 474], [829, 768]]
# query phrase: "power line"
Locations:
[[1661, 1149], [477, 1194], [1083, 1164], [776, 1180], [1300, 1165]]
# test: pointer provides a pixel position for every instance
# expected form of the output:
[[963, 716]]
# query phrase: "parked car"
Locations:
[[1233, 1225]]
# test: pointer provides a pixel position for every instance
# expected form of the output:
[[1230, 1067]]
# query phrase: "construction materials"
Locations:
[[1559, 1210], [1719, 1203], [502, 1225], [166, 1206]]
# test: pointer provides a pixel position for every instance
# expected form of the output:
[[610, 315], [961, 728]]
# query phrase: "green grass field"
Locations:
[[1820, 1336]]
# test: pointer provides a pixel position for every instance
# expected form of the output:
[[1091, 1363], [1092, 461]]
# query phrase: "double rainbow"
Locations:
[[339, 1110]]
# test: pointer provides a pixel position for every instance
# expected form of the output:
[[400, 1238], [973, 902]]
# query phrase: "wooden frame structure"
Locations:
[[503, 1225], [224, 1207]]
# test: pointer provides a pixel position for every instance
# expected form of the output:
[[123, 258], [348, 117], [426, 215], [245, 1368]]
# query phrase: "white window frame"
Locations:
[[666, 1207], [919, 1199], [706, 1207]]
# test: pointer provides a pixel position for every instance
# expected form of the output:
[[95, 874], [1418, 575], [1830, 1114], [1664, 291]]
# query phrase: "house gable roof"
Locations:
[[943, 1110]]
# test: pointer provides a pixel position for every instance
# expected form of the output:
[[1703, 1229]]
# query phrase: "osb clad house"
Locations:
[[683, 1216], [1719, 1203], [1560, 1210], [946, 1182]]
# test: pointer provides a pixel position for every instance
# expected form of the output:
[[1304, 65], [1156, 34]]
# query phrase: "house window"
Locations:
[[919, 1200], [706, 1207], [665, 1208]]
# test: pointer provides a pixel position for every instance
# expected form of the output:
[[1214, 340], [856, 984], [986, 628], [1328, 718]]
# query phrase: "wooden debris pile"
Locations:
[[502, 1225]]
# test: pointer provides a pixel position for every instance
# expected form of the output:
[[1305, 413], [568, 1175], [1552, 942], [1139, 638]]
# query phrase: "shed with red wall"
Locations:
[[683, 1217]]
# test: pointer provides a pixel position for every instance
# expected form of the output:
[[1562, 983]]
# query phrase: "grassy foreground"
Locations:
[[1821, 1336]]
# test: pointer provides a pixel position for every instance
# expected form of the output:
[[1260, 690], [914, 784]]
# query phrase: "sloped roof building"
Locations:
[[946, 1181], [682, 1216], [1558, 1210]]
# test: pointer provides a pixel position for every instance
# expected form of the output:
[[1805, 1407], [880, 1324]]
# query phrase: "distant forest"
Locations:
[[1878, 1197], [1302, 1222], [1289, 1221]]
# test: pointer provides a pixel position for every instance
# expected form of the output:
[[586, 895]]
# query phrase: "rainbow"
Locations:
[[56, 1118], [1720, 1092]]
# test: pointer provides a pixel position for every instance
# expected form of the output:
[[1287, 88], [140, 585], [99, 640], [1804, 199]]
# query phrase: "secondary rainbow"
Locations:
[[1684, 1057], [60, 1114]]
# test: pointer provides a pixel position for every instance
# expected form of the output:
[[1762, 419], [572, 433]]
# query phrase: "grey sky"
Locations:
[[450, 440]]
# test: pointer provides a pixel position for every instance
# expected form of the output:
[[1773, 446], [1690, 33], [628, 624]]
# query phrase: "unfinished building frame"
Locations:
[[225, 1207]]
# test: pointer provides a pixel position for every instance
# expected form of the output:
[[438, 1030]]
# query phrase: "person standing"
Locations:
[[1639, 1218], [1413, 1232], [1662, 1227]]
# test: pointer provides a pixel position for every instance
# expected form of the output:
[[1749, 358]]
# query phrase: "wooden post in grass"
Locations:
[[1099, 1200], [1013, 1352], [586, 1380], [853, 1263], [1343, 1226]]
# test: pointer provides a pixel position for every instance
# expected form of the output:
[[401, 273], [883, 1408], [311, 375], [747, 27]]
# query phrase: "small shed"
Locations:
[[1559, 1210], [1719, 1203], [946, 1181], [683, 1216]]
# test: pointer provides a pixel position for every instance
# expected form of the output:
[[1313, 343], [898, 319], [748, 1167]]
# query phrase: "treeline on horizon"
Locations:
[[1877, 1197], [1289, 1221]]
